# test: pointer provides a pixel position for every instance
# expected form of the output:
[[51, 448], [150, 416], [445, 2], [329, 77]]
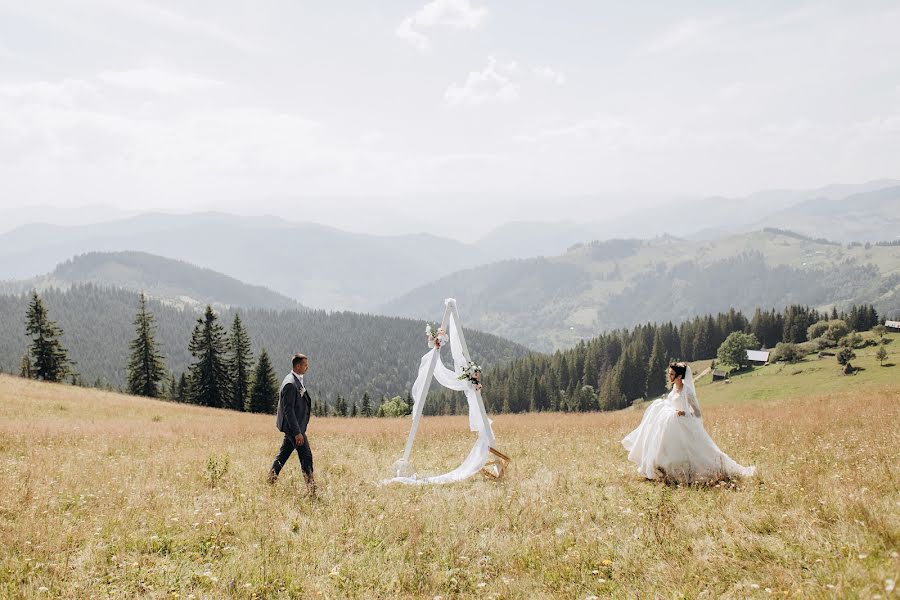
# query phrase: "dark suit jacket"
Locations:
[[294, 409]]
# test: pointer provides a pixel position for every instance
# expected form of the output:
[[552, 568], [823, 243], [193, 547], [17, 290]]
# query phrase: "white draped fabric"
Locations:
[[478, 420]]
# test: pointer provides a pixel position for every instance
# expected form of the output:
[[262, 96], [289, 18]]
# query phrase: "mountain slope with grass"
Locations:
[[554, 302]]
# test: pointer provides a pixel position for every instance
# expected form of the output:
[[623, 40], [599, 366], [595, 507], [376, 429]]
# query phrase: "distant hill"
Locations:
[[318, 266], [325, 267], [719, 216], [554, 302], [350, 352], [173, 282], [873, 216]]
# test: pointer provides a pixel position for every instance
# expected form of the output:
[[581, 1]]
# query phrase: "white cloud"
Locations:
[[581, 129], [550, 74], [157, 80], [66, 92], [459, 14], [491, 84], [684, 34], [173, 20]]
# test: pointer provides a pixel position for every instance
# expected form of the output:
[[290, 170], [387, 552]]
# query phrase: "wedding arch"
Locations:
[[484, 457]]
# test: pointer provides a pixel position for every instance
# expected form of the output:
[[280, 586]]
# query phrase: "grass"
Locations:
[[810, 377], [104, 495]]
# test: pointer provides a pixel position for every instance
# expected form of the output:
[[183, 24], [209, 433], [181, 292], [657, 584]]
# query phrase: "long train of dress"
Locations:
[[677, 448]]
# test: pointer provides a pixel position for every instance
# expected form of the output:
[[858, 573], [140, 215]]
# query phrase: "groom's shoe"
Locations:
[[272, 477], [311, 486]]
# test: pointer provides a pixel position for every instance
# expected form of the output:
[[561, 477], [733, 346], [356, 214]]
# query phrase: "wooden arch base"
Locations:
[[495, 467]]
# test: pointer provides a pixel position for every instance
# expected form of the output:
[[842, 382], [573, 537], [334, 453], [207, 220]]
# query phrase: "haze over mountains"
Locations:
[[173, 282], [324, 267], [549, 303]]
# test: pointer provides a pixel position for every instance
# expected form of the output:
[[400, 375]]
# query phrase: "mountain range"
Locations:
[[549, 303], [172, 282], [324, 267]]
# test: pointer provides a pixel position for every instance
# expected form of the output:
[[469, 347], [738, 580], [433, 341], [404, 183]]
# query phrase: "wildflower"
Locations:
[[889, 585]]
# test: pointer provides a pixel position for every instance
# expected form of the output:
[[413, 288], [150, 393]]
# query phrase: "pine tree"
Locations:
[[239, 364], [49, 359], [340, 407], [145, 368], [172, 392], [264, 391], [353, 409], [209, 382], [656, 368], [25, 369], [182, 395], [366, 405]]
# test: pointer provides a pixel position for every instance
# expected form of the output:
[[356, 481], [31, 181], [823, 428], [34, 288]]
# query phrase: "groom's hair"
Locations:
[[679, 368], [298, 358]]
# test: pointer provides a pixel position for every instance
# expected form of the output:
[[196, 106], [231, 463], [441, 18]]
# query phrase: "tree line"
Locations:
[[607, 372], [611, 371], [350, 353]]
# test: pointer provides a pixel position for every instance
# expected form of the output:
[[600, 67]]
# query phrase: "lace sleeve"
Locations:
[[692, 402]]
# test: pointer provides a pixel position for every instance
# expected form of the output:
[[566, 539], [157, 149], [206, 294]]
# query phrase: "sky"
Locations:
[[414, 114]]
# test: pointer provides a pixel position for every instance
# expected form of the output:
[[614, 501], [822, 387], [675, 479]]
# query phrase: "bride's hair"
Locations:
[[679, 368]]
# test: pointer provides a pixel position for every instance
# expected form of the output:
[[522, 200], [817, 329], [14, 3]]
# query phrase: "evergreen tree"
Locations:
[[634, 371], [146, 368], [49, 359], [366, 409], [353, 409], [182, 389], [340, 407], [25, 369], [239, 364], [172, 392], [209, 382], [657, 367], [264, 391]]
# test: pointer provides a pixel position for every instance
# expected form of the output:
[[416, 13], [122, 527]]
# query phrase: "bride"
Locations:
[[671, 444]]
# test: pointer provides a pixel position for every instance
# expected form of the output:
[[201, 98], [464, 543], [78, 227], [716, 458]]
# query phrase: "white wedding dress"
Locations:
[[672, 448]]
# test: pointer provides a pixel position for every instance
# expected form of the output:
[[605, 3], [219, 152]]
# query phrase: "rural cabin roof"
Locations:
[[892, 324], [757, 356]]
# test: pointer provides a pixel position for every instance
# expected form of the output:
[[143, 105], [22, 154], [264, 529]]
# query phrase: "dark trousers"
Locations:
[[303, 451]]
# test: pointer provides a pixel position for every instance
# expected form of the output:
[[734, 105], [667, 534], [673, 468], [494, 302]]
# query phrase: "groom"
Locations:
[[294, 408]]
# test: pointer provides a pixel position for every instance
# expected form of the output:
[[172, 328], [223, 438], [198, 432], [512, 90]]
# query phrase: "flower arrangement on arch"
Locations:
[[472, 374], [436, 336]]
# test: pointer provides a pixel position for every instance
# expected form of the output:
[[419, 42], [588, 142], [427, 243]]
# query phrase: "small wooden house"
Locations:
[[892, 325], [719, 375], [758, 357]]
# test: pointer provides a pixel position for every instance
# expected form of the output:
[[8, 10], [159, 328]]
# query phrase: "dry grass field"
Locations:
[[103, 495]]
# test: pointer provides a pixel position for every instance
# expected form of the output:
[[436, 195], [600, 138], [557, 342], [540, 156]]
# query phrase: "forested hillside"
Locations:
[[176, 282], [350, 353], [550, 303], [612, 370]]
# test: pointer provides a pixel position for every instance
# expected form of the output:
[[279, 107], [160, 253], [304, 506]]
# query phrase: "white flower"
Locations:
[[889, 585]]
